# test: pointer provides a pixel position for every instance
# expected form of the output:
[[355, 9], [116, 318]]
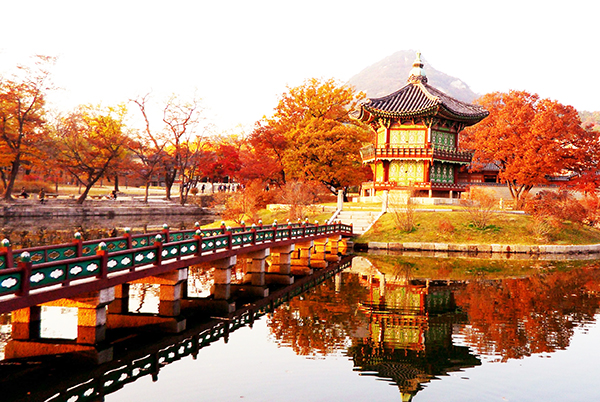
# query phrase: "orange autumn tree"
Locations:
[[312, 137], [22, 120], [527, 138]]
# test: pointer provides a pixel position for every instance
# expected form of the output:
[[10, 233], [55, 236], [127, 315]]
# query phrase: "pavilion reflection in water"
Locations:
[[409, 336]]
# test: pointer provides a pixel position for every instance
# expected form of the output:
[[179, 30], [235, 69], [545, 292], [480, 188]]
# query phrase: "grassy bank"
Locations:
[[456, 227]]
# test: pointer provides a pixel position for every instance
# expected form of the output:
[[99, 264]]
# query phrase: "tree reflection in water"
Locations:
[[320, 321], [514, 318], [400, 326]]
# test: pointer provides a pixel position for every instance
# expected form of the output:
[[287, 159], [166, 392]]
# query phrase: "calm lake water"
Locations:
[[379, 330]]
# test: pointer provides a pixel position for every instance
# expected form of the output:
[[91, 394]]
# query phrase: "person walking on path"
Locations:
[[42, 196]]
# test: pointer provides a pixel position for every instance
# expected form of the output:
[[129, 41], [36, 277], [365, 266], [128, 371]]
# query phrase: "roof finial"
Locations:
[[417, 74]]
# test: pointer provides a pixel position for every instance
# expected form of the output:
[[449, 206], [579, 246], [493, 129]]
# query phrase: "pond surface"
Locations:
[[379, 331]]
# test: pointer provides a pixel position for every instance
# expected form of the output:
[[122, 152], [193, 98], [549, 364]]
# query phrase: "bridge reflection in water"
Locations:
[[139, 354]]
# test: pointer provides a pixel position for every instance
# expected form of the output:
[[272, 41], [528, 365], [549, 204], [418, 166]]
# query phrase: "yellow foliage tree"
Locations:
[[91, 141]]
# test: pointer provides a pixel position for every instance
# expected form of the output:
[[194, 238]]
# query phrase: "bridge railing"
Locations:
[[62, 264]]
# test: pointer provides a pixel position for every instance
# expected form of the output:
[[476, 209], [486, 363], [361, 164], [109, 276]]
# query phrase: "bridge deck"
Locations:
[[42, 274]]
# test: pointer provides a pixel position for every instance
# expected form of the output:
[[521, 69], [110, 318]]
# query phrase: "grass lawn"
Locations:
[[436, 227]]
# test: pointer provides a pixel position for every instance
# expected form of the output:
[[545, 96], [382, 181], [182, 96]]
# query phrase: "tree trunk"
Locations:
[[83, 195], [12, 178], [147, 191], [169, 180], [116, 183]]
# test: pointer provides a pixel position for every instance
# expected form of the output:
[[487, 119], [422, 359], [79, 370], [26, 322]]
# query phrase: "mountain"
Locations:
[[391, 73]]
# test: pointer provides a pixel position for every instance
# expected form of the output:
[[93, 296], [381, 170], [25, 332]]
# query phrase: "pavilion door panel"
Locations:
[[442, 139], [406, 172], [442, 173], [407, 138]]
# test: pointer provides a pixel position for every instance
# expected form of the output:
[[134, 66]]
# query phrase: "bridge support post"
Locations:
[[169, 306], [254, 279], [222, 275], [301, 258], [332, 249], [318, 257], [171, 287], [120, 304], [280, 270], [26, 323], [220, 304], [91, 315], [343, 246], [91, 329]]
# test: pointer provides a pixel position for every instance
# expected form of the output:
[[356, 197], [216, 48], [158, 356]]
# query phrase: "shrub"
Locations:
[[446, 227], [300, 196], [243, 204], [542, 227], [479, 204], [402, 209], [591, 205], [561, 206]]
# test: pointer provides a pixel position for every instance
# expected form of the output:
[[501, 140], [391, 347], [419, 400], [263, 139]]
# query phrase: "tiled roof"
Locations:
[[420, 99]]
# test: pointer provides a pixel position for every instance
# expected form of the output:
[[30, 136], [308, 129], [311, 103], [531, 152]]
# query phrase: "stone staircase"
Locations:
[[360, 220]]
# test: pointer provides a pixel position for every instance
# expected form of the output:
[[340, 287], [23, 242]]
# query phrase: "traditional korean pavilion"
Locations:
[[416, 139]]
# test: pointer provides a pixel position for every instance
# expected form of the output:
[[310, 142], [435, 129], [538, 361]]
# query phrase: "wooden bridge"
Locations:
[[136, 358], [94, 276]]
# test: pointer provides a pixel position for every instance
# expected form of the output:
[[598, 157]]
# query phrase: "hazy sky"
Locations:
[[239, 56]]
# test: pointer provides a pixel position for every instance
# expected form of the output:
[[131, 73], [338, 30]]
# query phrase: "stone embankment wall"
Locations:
[[483, 248], [106, 208]]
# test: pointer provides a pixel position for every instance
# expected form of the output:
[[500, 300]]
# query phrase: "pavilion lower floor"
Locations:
[[374, 191]]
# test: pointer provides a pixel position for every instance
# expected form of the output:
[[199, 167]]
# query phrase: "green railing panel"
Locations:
[[10, 283], [145, 257], [119, 262], [170, 251], [222, 241], [208, 244], [212, 232], [237, 240], [177, 236], [3, 263], [247, 238], [48, 275], [88, 249], [189, 247], [83, 269], [116, 245], [37, 256], [142, 241]]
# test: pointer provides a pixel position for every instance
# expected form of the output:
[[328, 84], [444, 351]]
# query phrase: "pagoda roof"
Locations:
[[419, 99]]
